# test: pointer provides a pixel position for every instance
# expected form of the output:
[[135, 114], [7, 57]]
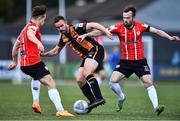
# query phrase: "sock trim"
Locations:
[[90, 77]]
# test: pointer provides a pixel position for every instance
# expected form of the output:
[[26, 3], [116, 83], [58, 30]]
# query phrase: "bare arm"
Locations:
[[93, 25], [98, 30], [33, 38], [163, 34], [99, 27], [94, 33], [15, 51], [52, 52], [14, 55]]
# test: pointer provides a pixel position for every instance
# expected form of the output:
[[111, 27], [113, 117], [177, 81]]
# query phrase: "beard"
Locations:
[[128, 25], [63, 31]]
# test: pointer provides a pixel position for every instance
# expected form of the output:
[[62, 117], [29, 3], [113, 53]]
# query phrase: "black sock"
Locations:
[[94, 86], [86, 89]]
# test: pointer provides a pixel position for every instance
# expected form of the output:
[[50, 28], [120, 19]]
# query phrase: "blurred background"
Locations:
[[163, 55]]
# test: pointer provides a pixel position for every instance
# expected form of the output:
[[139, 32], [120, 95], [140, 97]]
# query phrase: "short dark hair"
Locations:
[[130, 8], [39, 10], [57, 18]]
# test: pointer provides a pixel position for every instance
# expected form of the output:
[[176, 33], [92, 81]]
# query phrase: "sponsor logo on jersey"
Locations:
[[132, 42], [22, 53], [138, 33]]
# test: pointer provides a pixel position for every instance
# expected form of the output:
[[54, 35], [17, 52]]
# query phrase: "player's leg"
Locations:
[[84, 85], [150, 89], [40, 71], [122, 70], [89, 67], [148, 83], [142, 70], [43, 74], [115, 86], [54, 95], [35, 89]]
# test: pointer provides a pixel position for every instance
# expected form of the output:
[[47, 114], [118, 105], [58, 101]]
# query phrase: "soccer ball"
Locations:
[[80, 106]]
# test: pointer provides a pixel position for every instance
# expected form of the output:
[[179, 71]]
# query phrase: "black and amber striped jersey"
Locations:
[[81, 48]]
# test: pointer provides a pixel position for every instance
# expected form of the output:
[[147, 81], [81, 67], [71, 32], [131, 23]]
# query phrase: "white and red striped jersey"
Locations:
[[30, 54], [130, 40]]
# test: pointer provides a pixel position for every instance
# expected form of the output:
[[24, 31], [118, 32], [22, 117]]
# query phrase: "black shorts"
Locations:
[[128, 67], [97, 54], [36, 71], [99, 68]]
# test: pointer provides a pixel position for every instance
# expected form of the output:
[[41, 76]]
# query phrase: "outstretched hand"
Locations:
[[81, 37], [40, 47], [176, 38], [43, 54], [12, 65], [109, 34]]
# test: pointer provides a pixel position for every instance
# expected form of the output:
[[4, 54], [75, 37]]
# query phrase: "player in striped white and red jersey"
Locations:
[[29, 42], [30, 53], [131, 39], [133, 60]]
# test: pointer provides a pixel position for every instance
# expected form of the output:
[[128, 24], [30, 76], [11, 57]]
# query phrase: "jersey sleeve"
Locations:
[[144, 27], [33, 28], [81, 28], [19, 38], [61, 44], [113, 29]]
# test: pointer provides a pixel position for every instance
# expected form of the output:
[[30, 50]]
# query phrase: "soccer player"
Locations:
[[89, 50], [99, 74], [30, 45], [133, 60]]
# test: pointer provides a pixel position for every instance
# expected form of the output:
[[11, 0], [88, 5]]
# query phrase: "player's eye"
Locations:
[[58, 27]]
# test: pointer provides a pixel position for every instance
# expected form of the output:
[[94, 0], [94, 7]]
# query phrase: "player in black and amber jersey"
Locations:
[[89, 50]]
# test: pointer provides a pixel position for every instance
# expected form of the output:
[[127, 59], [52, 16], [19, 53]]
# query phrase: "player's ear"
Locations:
[[39, 18]]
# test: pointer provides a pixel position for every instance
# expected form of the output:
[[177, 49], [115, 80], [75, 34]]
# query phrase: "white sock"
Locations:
[[35, 89], [56, 99], [98, 80], [153, 96], [117, 89]]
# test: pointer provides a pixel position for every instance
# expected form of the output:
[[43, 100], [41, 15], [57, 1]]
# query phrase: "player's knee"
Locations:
[[80, 82], [113, 79], [86, 72], [148, 83], [51, 84]]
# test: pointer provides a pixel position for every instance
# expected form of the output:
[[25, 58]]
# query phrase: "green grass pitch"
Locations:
[[15, 102]]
